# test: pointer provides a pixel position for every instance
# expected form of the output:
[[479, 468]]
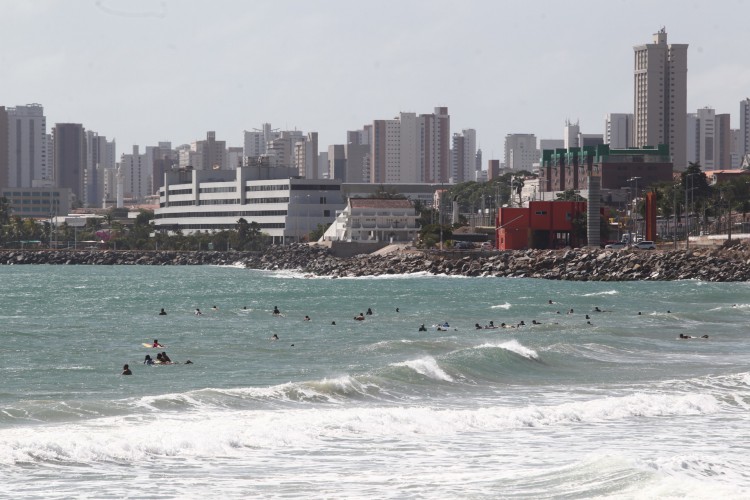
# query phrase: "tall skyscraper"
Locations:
[[745, 126], [618, 130], [463, 156], [660, 96], [411, 148], [4, 153], [27, 146], [70, 157]]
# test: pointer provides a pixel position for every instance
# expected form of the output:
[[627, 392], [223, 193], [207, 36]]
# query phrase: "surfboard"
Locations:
[[152, 345]]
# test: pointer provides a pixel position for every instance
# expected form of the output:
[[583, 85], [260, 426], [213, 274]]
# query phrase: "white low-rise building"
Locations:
[[375, 219], [286, 207]]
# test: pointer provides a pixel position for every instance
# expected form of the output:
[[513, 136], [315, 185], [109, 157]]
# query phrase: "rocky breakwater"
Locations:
[[730, 263], [122, 257]]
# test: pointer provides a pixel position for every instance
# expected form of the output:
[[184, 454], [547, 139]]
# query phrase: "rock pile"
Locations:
[[729, 263]]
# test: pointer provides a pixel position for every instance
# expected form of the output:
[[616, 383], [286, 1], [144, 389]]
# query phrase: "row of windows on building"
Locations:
[[243, 213], [54, 194], [224, 201]]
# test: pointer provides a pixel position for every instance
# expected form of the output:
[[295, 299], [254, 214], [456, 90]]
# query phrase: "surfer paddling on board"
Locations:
[[276, 311], [157, 344]]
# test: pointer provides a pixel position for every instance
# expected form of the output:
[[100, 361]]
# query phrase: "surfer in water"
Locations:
[[274, 337], [148, 360], [126, 370], [276, 311], [307, 318], [198, 312], [162, 312], [360, 317], [422, 328], [369, 312], [157, 344]]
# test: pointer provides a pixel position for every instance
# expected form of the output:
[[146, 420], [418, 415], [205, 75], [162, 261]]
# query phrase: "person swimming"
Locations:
[[214, 308], [274, 337], [126, 370], [422, 328], [148, 360], [162, 312], [333, 323], [369, 312]]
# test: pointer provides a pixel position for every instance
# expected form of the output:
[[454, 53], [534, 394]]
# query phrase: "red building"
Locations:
[[544, 224]]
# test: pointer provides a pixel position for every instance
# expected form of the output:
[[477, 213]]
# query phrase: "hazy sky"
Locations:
[[142, 71]]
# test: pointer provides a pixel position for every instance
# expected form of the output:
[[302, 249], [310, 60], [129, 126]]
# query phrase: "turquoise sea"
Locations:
[[611, 406]]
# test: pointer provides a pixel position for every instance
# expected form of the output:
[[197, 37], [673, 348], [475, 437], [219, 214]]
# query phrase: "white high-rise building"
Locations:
[[411, 148], [136, 175], [521, 152], [28, 150], [660, 96], [570, 134], [618, 130], [709, 140]]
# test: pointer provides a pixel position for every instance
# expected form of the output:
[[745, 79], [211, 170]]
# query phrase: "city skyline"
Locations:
[[143, 72]]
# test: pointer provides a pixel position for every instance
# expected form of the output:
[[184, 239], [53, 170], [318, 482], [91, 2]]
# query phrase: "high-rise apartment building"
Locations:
[[520, 151], [100, 156], [306, 156], [570, 134], [660, 96], [136, 172], [745, 126], [4, 152], [464, 156], [411, 148], [618, 130], [213, 153], [27, 146], [70, 157], [709, 139]]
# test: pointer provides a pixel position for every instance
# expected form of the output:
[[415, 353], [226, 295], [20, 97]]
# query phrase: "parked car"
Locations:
[[645, 245], [617, 245]]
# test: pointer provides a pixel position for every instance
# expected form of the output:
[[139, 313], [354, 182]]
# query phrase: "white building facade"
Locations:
[[618, 130], [521, 152], [285, 207]]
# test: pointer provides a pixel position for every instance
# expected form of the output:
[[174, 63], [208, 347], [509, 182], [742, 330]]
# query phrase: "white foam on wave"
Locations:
[[513, 346], [594, 294], [234, 265], [224, 434], [505, 306], [428, 367]]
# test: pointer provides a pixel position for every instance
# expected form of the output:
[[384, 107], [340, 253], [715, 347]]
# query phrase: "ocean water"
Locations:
[[613, 406]]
